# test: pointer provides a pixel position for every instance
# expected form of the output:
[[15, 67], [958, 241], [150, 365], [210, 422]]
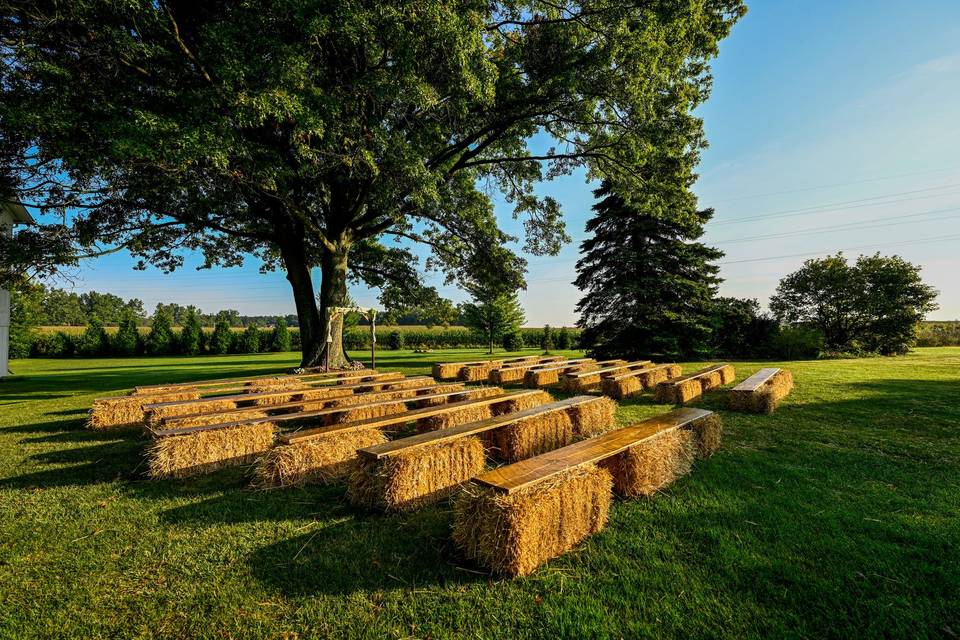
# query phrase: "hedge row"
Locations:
[[69, 343]]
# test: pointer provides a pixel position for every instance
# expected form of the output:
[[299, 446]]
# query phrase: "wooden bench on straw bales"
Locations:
[[685, 388], [417, 470], [307, 399], [586, 380], [633, 383], [761, 392], [451, 370], [328, 454], [186, 451], [514, 374], [481, 372], [277, 380], [127, 411], [428, 387], [514, 518], [550, 375]]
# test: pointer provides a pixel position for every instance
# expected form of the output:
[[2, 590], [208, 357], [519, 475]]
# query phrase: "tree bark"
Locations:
[[313, 319]]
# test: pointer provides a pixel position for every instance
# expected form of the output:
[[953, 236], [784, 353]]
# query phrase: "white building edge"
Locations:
[[10, 214]]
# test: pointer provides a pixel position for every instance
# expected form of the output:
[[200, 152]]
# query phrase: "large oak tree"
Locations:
[[313, 133]]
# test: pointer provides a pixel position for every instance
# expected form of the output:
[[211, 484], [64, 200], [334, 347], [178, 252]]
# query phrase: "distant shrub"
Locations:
[[513, 341], [250, 340], [190, 334], [126, 341], [221, 340], [563, 339], [280, 337], [94, 341], [546, 341], [160, 340], [395, 340], [797, 343]]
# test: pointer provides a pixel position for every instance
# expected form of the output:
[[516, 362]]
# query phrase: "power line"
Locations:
[[874, 246]]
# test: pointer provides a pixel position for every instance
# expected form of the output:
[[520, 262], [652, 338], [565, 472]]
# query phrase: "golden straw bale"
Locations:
[[365, 412], [765, 399], [128, 411], [155, 417], [531, 436], [320, 460], [727, 374], [274, 384], [511, 375], [707, 434], [521, 402], [219, 418], [581, 383], [649, 466], [417, 477], [594, 417], [712, 380], [154, 391], [513, 534], [190, 454], [479, 372], [622, 388], [447, 370], [536, 378], [469, 394], [678, 392], [454, 418]]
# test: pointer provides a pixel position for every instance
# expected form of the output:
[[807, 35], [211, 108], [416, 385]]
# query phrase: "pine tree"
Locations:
[[126, 341], [94, 341], [222, 336], [250, 341], [190, 333], [648, 283], [280, 339], [160, 341], [493, 315]]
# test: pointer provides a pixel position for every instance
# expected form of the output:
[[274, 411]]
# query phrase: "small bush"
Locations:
[[513, 341], [395, 340], [280, 338], [221, 339], [563, 339], [126, 341], [94, 342], [160, 341], [190, 334], [250, 340], [546, 341], [797, 343]]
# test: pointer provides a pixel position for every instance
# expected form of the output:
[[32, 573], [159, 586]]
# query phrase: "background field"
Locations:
[[836, 517]]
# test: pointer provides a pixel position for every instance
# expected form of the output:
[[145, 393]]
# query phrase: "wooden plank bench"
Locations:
[[633, 383], [210, 404], [516, 373], [201, 418], [222, 382], [417, 470], [586, 380], [329, 454], [514, 518], [549, 376], [762, 392], [480, 372], [685, 388]]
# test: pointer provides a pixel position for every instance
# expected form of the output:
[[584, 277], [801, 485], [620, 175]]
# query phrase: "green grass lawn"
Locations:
[[838, 516]]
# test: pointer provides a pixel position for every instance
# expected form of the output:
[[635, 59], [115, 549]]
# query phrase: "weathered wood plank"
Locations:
[[629, 365], [444, 435], [522, 474], [757, 380]]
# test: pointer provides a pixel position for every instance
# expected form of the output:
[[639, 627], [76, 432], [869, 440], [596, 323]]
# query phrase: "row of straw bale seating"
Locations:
[[762, 392], [128, 410], [683, 389]]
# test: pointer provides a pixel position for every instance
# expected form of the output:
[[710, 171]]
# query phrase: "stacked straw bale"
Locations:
[[652, 465], [447, 370], [479, 372], [515, 533], [322, 460], [365, 412], [685, 390], [536, 378], [532, 435], [475, 413], [767, 398], [417, 477], [128, 411], [631, 384], [190, 454], [580, 384], [507, 375]]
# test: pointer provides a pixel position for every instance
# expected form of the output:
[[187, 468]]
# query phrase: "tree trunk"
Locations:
[[311, 318], [333, 293]]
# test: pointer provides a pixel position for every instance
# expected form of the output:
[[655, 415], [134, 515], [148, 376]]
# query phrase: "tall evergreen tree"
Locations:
[[648, 283], [126, 341], [190, 333], [493, 316]]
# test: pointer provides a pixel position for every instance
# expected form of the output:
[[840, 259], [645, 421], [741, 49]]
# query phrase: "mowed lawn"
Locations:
[[838, 516]]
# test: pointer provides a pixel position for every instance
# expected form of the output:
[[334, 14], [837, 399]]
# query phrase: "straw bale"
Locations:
[[727, 374], [531, 436], [513, 534], [128, 411], [220, 418], [678, 392], [510, 375], [191, 454], [765, 399], [707, 434], [320, 460], [649, 466], [622, 388], [453, 418], [418, 477], [520, 403], [154, 417], [581, 384], [365, 412], [447, 370], [594, 417], [479, 372]]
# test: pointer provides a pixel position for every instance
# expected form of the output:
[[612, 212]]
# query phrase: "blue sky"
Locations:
[[832, 125]]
